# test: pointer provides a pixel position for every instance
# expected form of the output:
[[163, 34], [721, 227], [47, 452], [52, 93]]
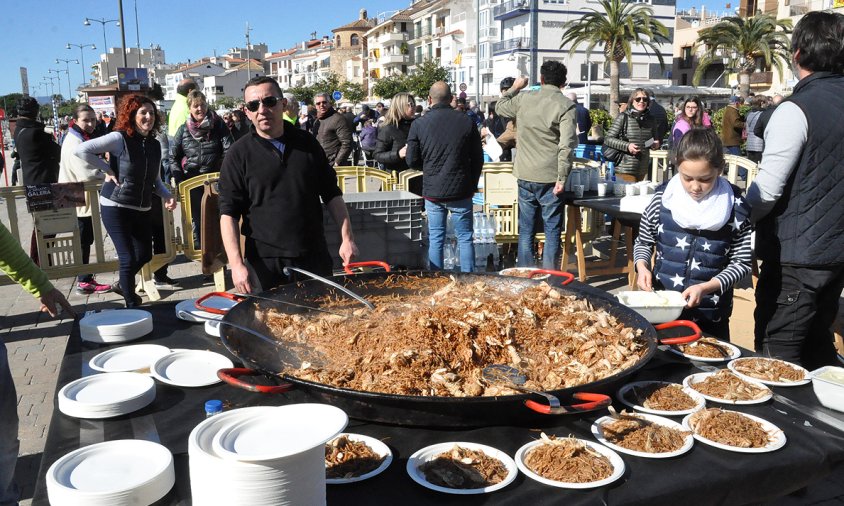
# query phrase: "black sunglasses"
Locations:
[[269, 103], [641, 99]]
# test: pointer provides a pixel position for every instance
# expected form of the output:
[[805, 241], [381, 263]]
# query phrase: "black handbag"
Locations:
[[611, 154]]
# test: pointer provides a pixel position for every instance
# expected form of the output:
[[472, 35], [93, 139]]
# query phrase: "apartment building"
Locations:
[[105, 70], [388, 49], [303, 65]]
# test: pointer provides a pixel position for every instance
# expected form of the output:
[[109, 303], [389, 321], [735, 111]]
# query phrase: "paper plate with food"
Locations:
[[770, 371], [734, 431], [660, 398], [727, 388]]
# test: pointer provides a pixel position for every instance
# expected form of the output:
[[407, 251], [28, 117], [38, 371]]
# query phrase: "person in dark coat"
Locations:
[[392, 136], [629, 134], [659, 115], [332, 131], [39, 155]]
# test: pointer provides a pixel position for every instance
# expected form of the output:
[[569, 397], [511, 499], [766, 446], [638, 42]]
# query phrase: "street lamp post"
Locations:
[[67, 71], [82, 55], [103, 22], [58, 77]]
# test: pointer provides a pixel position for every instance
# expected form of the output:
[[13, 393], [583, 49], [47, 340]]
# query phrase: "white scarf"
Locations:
[[711, 213]]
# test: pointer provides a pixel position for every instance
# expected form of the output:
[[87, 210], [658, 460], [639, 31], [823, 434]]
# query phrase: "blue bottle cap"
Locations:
[[213, 406]]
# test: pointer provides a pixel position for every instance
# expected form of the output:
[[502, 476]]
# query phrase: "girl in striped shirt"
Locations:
[[698, 223]]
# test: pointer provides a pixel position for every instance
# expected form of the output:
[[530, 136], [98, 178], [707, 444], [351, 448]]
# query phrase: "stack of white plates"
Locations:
[[263, 455], [114, 473], [138, 357], [106, 395], [190, 368], [186, 310], [115, 325]]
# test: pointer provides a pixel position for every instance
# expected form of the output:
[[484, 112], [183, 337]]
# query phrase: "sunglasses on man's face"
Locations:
[[268, 102], [320, 103], [642, 99]]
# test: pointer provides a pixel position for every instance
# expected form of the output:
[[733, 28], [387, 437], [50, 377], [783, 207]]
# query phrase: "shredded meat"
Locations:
[[465, 469], [433, 337], [568, 460], [662, 397], [729, 428], [726, 385], [769, 369], [705, 347], [345, 458], [642, 435]]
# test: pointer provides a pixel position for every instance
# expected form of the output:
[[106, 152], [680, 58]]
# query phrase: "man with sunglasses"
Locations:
[[332, 131], [272, 181]]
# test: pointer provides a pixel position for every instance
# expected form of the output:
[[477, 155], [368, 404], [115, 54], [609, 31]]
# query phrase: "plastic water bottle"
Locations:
[[213, 407]]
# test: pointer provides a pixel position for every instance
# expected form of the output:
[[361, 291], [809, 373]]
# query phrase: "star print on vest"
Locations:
[[682, 243], [695, 264], [707, 246]]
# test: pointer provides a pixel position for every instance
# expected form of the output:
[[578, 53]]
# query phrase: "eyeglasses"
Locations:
[[320, 103], [268, 102], [642, 99]]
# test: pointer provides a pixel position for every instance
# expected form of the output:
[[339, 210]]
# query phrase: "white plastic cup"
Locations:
[[631, 190], [578, 191], [574, 178], [602, 189]]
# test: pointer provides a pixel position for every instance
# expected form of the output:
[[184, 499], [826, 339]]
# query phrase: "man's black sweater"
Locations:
[[38, 154], [278, 196]]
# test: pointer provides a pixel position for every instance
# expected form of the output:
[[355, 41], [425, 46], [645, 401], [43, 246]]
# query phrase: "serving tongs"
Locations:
[[515, 379], [359, 298]]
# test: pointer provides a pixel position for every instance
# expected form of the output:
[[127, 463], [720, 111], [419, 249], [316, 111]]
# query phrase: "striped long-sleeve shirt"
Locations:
[[739, 254]]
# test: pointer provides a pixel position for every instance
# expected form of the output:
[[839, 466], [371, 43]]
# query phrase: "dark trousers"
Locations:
[[86, 238], [795, 310], [270, 270], [131, 233]]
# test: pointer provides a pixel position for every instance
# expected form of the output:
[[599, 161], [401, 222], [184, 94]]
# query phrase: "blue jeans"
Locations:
[[538, 199], [131, 233], [9, 443], [461, 216]]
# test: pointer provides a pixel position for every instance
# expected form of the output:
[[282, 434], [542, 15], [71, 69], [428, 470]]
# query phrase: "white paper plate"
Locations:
[[186, 309], [694, 394], [776, 444], [430, 452], [377, 447], [735, 352], [106, 395], [697, 378], [115, 325], [807, 377], [615, 460], [190, 368], [128, 358], [282, 432], [597, 431], [113, 473], [212, 328]]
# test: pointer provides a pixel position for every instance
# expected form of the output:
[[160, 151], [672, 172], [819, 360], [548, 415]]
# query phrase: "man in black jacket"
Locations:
[[796, 201], [273, 179], [39, 156], [447, 146]]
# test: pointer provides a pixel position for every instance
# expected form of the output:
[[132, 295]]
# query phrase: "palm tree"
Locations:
[[740, 41], [617, 27]]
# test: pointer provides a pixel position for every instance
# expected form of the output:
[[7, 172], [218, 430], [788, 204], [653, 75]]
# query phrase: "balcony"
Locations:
[[486, 65], [393, 59], [424, 31], [511, 9], [488, 33], [386, 38], [510, 45]]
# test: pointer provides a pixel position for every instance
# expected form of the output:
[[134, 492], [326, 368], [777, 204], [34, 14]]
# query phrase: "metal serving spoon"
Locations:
[[331, 283]]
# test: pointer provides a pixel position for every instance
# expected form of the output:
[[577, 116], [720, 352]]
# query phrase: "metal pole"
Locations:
[[82, 59], [105, 48], [588, 83], [122, 32], [248, 54], [534, 37], [137, 33], [478, 87]]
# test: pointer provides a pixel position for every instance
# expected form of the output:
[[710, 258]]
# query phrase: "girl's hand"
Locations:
[[633, 149], [694, 294], [644, 278], [170, 204]]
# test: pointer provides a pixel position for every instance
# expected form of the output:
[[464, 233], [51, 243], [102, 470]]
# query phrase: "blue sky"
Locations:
[[35, 32]]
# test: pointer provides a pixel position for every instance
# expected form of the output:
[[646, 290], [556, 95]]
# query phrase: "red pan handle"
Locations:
[[569, 276], [372, 263], [596, 401], [683, 339], [232, 377], [213, 310]]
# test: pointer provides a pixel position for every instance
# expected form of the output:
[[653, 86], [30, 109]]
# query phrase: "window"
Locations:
[[355, 40], [640, 71], [337, 41], [684, 79], [686, 61]]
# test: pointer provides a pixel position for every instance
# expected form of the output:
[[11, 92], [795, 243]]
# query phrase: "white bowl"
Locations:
[[657, 307], [828, 388]]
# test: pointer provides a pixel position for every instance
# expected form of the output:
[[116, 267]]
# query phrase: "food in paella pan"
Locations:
[[634, 432], [345, 458], [661, 397], [567, 460], [433, 336], [729, 428], [769, 369], [726, 385], [463, 468], [706, 347]]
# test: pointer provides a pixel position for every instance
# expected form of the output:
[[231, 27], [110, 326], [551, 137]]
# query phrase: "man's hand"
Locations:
[[348, 251], [403, 152], [240, 278], [110, 178], [52, 298], [558, 188], [170, 204], [644, 278], [519, 84]]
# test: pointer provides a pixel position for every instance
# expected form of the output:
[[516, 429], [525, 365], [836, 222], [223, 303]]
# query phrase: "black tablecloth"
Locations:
[[705, 475]]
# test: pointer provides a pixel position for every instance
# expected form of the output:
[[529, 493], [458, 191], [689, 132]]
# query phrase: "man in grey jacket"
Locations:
[[547, 138], [796, 201]]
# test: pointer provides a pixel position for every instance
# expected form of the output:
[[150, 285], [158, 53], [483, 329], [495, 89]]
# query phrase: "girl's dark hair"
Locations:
[[79, 109], [701, 144], [128, 107]]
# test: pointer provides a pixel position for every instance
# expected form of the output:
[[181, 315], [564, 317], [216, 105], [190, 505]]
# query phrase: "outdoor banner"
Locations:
[[132, 79], [102, 104], [54, 196]]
